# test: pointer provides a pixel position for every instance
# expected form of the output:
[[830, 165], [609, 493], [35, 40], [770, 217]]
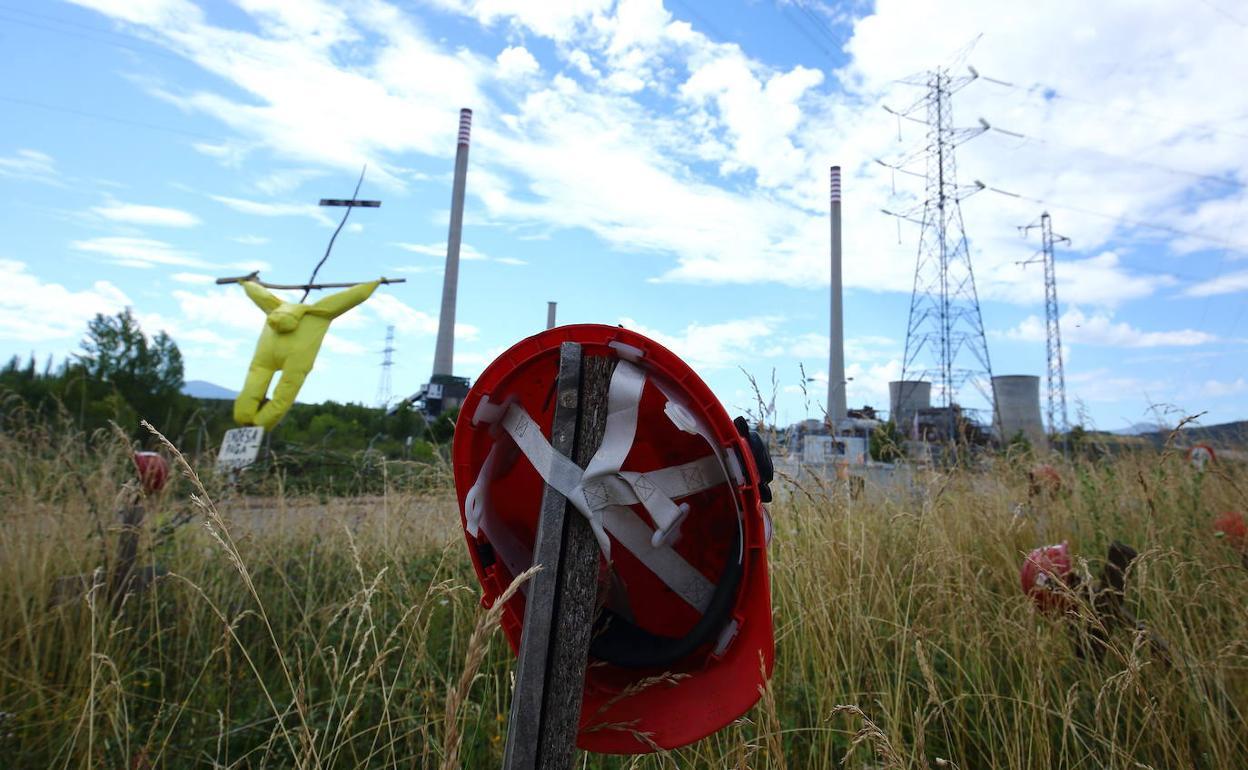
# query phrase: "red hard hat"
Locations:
[[675, 498], [1232, 526], [1044, 572], [1043, 479], [153, 471], [1200, 455]]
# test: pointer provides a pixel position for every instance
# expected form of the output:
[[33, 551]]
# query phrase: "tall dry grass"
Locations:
[[346, 633]]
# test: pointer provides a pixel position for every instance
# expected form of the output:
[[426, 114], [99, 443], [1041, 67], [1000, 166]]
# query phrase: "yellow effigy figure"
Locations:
[[290, 341]]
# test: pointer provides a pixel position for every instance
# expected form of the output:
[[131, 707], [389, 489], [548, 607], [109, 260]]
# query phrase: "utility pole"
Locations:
[[1059, 422], [387, 362], [945, 341]]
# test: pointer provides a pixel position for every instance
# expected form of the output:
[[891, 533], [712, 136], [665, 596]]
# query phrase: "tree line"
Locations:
[[120, 375]]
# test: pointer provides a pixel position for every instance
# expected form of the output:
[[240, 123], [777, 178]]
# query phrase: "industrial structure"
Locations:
[[445, 390], [1017, 400], [1059, 421], [387, 363], [945, 342], [906, 398], [837, 410]]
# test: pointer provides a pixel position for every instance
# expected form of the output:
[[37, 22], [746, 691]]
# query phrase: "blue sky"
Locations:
[[657, 164]]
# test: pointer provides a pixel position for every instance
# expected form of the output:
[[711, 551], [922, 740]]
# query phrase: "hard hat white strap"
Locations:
[[601, 492], [670, 567]]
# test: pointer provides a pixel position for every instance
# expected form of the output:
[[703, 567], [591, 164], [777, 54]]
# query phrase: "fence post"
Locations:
[[562, 597]]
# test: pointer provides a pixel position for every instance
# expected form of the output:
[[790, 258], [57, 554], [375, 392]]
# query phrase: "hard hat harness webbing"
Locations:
[[602, 493]]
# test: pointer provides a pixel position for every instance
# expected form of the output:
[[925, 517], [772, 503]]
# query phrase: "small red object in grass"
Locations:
[[1201, 455], [1232, 526], [1044, 571], [153, 471], [1043, 479]]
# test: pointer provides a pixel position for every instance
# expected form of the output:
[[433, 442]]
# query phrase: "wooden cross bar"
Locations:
[[255, 277], [351, 202]]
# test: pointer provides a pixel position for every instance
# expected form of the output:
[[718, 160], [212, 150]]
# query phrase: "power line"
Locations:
[[819, 23], [1049, 92], [1122, 219], [1225, 13], [1235, 183], [109, 118], [806, 33], [92, 34]]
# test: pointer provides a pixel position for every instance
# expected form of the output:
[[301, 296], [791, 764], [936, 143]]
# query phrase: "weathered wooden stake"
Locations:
[[127, 552], [562, 598]]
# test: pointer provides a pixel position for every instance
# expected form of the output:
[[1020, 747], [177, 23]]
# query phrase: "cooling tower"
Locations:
[[905, 397], [1017, 404]]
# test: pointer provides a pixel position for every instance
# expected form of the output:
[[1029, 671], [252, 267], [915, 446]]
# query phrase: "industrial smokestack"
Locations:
[[444, 353], [836, 349], [550, 315]]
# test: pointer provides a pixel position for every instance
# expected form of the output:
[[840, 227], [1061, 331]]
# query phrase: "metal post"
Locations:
[[444, 353], [550, 315]]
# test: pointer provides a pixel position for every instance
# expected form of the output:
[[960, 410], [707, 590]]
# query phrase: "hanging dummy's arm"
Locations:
[[263, 298], [336, 304]]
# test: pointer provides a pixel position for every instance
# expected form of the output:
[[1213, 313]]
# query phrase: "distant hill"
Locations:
[[1140, 428], [204, 389], [1227, 434]]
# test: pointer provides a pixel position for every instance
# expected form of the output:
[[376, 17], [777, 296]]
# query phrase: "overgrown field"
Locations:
[[339, 632]]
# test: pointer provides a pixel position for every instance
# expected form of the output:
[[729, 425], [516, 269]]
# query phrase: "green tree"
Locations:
[[146, 375], [885, 444]]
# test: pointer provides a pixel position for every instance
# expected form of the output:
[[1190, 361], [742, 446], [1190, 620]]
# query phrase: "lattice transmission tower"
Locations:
[[945, 342], [387, 362], [1058, 419]]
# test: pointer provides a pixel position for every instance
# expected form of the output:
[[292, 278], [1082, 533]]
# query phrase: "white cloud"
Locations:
[[466, 251], [1220, 388], [406, 319], [227, 308], [137, 252], [1081, 329], [192, 340], [231, 154], [286, 180], [510, 261], [716, 345], [335, 344], [558, 21], [34, 311], [1101, 280], [732, 183], [137, 214], [192, 278], [1227, 283], [515, 62], [31, 166], [250, 240], [262, 209]]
